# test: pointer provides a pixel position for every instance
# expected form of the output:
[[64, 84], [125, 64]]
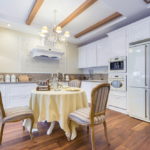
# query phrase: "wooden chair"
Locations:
[[75, 83], [14, 115], [96, 114]]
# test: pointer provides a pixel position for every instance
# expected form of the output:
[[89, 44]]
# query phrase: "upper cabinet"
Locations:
[[103, 52], [87, 56], [82, 57], [91, 55], [139, 30], [118, 42]]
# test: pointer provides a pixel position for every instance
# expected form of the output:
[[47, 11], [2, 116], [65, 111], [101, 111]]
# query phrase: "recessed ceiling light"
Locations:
[[8, 25]]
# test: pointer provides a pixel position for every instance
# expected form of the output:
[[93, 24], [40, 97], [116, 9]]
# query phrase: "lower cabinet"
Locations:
[[117, 101], [87, 86], [14, 95]]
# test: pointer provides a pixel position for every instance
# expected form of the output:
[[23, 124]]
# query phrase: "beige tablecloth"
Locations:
[[56, 106]]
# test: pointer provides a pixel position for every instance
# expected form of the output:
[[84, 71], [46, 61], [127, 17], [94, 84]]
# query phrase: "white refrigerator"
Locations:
[[138, 81]]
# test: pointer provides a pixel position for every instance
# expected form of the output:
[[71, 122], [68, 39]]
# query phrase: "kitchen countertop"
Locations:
[[17, 82], [102, 81]]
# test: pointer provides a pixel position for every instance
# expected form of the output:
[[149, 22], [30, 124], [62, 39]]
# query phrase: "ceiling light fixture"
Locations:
[[55, 34], [8, 25], [147, 1]]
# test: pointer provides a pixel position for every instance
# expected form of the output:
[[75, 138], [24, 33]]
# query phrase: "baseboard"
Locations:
[[124, 111]]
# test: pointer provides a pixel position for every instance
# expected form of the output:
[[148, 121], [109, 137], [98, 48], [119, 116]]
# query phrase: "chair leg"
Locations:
[[87, 129], [105, 130], [1, 132], [32, 122], [23, 128], [92, 137]]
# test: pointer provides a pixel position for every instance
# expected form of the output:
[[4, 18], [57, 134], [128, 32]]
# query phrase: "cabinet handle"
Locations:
[[146, 103]]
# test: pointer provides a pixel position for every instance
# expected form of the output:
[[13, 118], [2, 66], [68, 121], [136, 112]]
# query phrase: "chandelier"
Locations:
[[51, 36]]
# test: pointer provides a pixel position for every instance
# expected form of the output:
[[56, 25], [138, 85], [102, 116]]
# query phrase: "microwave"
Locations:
[[118, 64]]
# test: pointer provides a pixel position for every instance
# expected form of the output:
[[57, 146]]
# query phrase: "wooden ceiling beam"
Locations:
[[34, 11], [99, 24], [77, 12]]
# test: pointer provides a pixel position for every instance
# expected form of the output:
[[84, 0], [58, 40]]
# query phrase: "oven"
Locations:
[[118, 82], [118, 64]]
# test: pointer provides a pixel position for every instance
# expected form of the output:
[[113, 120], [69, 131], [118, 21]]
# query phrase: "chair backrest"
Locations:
[[2, 111], [99, 98], [75, 83]]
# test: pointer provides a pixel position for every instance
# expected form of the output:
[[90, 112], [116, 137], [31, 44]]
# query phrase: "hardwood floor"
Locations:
[[125, 133]]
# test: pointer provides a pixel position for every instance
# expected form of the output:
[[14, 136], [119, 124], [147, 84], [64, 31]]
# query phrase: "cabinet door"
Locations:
[[138, 31], [136, 102], [118, 43], [102, 52], [18, 94], [82, 57], [91, 55], [87, 87], [117, 100], [3, 94]]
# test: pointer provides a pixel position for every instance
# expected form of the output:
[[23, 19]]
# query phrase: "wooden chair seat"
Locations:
[[17, 113], [82, 117]]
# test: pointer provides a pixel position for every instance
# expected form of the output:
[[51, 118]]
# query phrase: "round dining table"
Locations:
[[55, 106]]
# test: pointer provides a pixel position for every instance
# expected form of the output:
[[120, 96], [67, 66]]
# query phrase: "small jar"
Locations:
[[7, 78], [13, 78]]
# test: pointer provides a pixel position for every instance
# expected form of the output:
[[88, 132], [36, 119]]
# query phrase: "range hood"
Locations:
[[45, 52]]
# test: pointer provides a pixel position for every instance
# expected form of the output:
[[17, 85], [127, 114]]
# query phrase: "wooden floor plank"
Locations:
[[125, 133]]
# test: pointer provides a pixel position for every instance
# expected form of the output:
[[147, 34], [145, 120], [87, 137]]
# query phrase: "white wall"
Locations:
[[14, 55]]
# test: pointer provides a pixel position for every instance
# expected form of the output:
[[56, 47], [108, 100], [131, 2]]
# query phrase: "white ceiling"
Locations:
[[16, 12]]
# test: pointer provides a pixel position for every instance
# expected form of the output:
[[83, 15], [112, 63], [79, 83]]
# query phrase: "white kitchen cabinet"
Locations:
[[3, 94], [87, 86], [139, 30], [117, 101], [91, 55], [87, 56], [118, 43], [14, 95], [103, 52], [82, 62]]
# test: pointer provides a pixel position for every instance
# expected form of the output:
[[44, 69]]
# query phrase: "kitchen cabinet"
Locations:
[[88, 86], [16, 94], [118, 43], [98, 53], [82, 62], [91, 55], [117, 101], [103, 52], [3, 94], [87, 56], [139, 30]]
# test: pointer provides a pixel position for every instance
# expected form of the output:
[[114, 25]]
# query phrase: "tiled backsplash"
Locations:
[[35, 77]]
